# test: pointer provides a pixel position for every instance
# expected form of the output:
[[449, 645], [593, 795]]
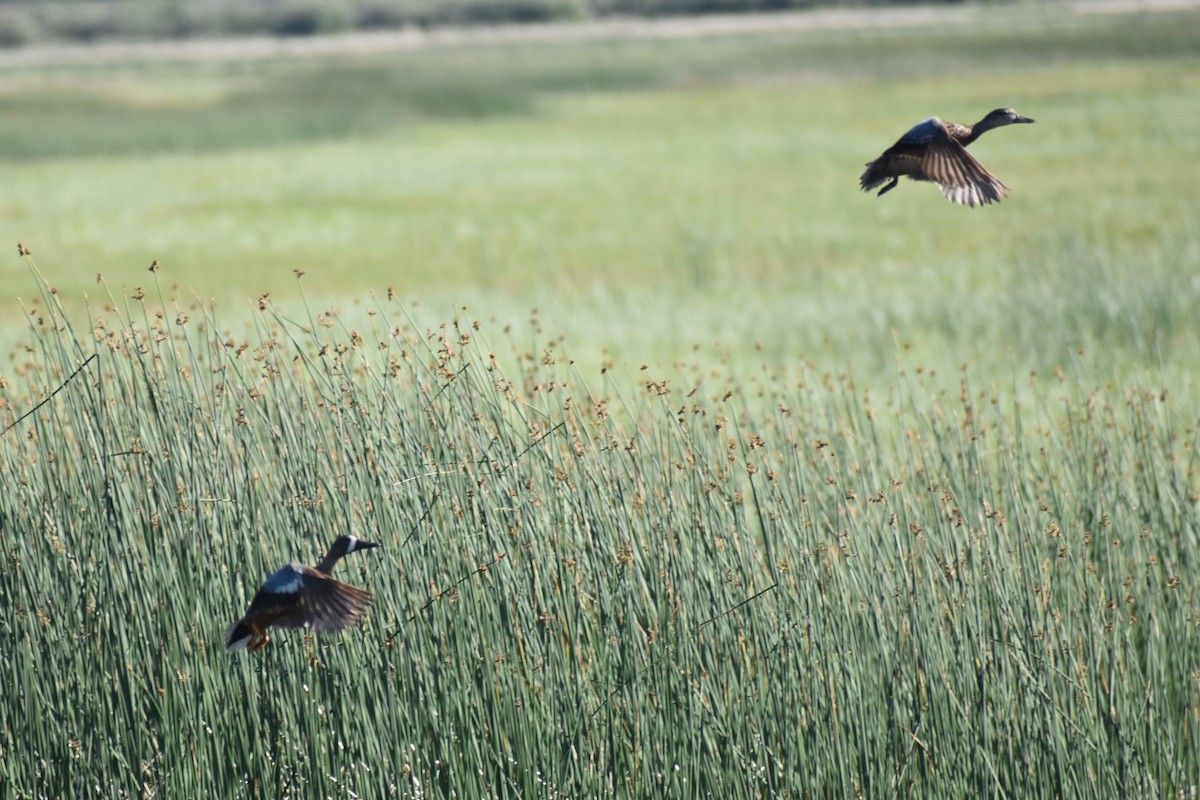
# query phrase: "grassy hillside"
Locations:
[[24, 22], [698, 473]]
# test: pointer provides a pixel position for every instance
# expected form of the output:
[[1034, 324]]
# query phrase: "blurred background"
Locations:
[[27, 21], [650, 182]]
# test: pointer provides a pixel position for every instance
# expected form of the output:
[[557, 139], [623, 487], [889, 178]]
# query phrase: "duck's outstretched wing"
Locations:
[[962, 179]]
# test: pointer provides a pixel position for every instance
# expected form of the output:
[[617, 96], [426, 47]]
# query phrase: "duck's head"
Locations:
[[350, 544], [1002, 116], [340, 547]]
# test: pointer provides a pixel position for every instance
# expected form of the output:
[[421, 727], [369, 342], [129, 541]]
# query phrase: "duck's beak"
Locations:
[[1024, 119]]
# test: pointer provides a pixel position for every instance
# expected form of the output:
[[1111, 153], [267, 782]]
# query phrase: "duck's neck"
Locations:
[[975, 131], [330, 560]]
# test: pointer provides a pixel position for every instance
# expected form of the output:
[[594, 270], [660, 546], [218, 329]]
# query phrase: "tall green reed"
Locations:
[[691, 585]]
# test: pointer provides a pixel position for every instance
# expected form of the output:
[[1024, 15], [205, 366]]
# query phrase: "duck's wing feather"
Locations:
[[963, 179], [298, 596], [329, 605]]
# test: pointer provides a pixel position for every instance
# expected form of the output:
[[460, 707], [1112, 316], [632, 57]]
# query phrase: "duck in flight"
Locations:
[[297, 596], [937, 151]]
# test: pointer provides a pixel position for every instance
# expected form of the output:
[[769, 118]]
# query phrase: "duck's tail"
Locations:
[[237, 636]]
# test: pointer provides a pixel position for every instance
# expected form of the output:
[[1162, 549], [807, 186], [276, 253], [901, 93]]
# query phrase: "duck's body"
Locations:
[[297, 596], [937, 151]]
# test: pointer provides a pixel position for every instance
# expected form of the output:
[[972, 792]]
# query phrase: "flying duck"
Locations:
[[937, 151], [297, 596]]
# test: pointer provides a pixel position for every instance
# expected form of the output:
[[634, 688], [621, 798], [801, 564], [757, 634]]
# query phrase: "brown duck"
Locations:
[[297, 596], [937, 151]]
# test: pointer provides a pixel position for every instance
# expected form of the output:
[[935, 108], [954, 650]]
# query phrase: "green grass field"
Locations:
[[698, 472], [603, 182]]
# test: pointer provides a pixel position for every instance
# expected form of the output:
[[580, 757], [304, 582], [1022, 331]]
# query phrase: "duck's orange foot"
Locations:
[[259, 640]]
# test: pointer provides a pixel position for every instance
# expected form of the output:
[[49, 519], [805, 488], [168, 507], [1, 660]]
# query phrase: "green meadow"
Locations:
[[645, 194], [698, 472]]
